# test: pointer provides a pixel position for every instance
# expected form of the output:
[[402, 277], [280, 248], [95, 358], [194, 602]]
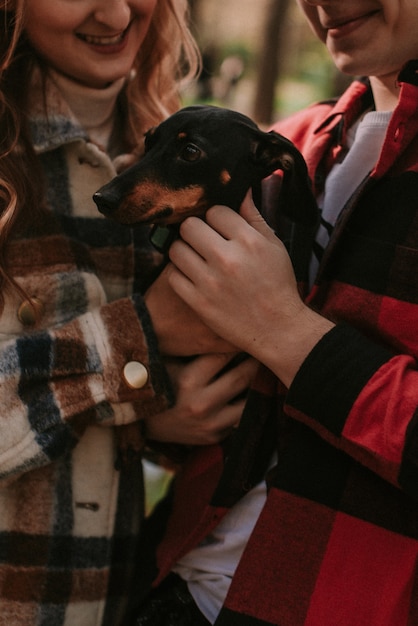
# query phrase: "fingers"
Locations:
[[207, 239], [224, 422], [209, 401], [185, 427], [204, 369], [226, 389], [190, 260], [251, 215], [202, 246], [220, 226], [182, 332], [218, 383], [226, 224]]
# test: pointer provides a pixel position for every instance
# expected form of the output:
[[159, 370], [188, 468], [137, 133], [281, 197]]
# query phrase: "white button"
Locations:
[[135, 374]]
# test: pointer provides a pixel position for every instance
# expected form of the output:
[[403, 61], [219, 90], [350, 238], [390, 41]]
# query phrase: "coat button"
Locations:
[[135, 374], [30, 311]]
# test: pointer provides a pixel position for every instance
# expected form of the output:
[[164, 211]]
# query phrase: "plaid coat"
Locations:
[[337, 540], [69, 519]]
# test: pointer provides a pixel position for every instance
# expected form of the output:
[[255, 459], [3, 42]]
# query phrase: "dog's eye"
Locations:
[[190, 153]]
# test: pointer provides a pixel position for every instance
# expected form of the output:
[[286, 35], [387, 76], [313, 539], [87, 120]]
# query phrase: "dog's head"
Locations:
[[198, 157]]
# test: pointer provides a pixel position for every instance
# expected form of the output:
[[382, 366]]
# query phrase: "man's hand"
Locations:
[[179, 330], [237, 276]]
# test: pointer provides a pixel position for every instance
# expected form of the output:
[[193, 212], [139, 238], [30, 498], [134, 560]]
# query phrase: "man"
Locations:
[[308, 516]]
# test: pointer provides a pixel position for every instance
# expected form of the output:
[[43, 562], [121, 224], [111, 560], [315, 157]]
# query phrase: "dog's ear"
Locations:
[[271, 152], [149, 137]]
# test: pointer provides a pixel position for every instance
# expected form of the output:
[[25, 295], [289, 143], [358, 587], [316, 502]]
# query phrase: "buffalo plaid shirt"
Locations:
[[337, 540]]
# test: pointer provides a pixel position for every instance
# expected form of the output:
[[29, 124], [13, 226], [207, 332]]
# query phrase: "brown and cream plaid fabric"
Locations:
[[69, 519]]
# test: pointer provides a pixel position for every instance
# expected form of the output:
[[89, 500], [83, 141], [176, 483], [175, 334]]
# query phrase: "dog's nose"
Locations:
[[106, 202]]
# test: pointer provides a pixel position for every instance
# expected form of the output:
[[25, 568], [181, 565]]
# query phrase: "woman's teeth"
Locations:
[[102, 41]]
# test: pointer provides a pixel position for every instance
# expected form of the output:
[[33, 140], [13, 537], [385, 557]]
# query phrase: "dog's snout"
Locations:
[[106, 201]]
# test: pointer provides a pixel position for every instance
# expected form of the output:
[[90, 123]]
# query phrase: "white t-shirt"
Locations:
[[364, 142], [209, 568]]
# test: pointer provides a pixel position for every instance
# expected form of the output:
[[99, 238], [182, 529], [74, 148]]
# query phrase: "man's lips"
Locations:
[[347, 23]]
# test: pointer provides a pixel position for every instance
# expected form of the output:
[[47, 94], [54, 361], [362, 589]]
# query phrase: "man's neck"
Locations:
[[385, 91]]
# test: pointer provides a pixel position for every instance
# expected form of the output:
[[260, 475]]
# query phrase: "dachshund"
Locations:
[[202, 156]]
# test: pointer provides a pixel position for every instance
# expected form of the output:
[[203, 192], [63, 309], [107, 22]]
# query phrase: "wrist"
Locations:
[[285, 350]]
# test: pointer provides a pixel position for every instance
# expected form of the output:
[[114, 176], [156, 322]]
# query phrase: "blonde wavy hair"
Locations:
[[167, 59]]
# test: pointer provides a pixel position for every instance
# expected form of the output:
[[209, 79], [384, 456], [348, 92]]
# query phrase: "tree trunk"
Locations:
[[269, 66]]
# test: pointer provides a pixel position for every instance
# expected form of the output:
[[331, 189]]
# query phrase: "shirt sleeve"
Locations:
[[363, 399], [55, 383]]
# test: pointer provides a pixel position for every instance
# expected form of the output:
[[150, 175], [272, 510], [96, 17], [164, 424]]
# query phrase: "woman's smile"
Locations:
[[94, 43], [104, 40]]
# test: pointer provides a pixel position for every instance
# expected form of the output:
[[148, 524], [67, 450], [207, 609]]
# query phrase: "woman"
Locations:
[[80, 366]]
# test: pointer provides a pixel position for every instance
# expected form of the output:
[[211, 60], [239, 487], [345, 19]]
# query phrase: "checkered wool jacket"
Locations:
[[337, 540], [69, 518]]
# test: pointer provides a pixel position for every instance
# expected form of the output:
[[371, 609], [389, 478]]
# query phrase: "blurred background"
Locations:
[[260, 58]]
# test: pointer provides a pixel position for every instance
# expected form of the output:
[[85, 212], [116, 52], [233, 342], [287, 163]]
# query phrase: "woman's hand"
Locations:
[[179, 330], [237, 276], [207, 405]]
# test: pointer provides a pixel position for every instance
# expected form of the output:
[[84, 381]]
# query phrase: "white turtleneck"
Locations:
[[94, 109]]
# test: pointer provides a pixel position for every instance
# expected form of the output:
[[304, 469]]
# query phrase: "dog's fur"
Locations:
[[201, 156]]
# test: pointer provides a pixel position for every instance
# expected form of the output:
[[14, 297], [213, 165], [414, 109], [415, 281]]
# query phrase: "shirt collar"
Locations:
[[52, 121], [357, 99]]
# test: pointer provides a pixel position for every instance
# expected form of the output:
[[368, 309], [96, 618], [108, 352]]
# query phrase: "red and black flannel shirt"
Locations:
[[337, 540]]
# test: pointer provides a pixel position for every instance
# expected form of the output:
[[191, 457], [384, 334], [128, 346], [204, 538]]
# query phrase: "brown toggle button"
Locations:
[[30, 311], [135, 374]]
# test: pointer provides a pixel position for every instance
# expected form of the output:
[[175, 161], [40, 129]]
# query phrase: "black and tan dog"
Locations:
[[198, 157]]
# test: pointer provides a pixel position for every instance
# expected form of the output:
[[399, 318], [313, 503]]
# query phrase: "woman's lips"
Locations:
[[106, 44]]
